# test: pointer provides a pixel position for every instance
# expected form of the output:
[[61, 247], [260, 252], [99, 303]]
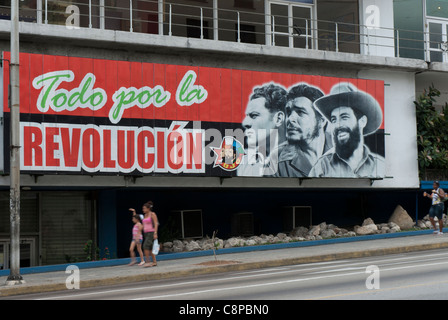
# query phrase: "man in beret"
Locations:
[[306, 136], [352, 115]]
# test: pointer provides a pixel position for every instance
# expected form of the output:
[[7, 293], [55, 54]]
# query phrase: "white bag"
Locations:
[[155, 247]]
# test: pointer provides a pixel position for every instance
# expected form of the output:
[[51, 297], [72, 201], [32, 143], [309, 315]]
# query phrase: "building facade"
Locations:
[[226, 114]]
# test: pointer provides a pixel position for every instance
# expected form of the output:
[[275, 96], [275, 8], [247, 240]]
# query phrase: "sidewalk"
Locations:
[[92, 274]]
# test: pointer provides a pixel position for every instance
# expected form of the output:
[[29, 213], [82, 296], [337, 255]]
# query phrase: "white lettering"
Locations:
[[373, 280], [72, 281], [72, 21], [373, 17]]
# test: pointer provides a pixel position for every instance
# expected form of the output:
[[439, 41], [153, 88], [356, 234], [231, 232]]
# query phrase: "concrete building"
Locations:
[[128, 101]]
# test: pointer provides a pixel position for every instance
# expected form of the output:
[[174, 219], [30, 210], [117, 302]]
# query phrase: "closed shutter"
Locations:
[[29, 214], [67, 222]]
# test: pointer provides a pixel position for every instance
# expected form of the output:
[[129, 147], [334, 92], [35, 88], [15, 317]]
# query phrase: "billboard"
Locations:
[[96, 116]]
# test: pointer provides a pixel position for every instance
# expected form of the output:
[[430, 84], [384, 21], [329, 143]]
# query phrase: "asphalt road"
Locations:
[[414, 275]]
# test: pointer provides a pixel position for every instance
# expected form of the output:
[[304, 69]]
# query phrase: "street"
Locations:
[[415, 275]]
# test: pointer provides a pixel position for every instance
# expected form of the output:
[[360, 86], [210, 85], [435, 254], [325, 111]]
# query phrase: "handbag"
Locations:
[[155, 247]]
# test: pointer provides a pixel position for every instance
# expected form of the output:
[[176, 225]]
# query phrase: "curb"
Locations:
[[41, 288]]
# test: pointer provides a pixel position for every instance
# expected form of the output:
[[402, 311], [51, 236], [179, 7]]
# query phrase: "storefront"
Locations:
[[55, 227], [204, 134], [140, 121]]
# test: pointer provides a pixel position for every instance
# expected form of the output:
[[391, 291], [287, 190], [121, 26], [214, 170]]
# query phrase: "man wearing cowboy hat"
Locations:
[[352, 115]]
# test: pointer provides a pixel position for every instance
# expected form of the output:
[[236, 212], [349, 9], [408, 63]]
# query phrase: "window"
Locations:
[[297, 216], [437, 8], [247, 33], [437, 44], [188, 223], [247, 4], [346, 17], [292, 25], [194, 29]]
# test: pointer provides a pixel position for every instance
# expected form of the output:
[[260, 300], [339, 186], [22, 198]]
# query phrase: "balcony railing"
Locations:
[[244, 26]]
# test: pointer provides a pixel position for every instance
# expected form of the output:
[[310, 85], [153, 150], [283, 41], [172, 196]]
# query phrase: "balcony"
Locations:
[[248, 25]]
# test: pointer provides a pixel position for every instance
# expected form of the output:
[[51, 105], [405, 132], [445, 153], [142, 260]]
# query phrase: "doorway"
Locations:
[[436, 40], [292, 25], [27, 253]]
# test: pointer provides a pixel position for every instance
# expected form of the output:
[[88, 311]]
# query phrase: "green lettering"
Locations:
[[188, 93], [41, 82], [59, 100], [74, 98], [185, 87], [123, 99], [84, 96]]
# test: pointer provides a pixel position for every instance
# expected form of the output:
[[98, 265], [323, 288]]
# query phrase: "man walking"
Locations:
[[437, 195]]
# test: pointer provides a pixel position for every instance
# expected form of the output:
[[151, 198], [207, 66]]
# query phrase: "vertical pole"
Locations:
[[90, 13], [46, 11], [306, 34], [161, 18], [130, 16], [39, 12], [337, 37], [239, 31], [202, 24], [169, 24], [215, 19], [102, 13], [15, 277]]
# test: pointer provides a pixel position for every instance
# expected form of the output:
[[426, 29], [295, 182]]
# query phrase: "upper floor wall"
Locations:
[[410, 29]]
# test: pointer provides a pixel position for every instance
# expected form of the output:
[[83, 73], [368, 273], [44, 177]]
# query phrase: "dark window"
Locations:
[[194, 28], [247, 33], [248, 4]]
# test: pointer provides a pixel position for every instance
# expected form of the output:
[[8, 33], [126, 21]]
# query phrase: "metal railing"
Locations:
[[243, 26]]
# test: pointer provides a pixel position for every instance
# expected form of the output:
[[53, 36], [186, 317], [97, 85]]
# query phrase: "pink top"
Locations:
[[147, 225], [136, 234]]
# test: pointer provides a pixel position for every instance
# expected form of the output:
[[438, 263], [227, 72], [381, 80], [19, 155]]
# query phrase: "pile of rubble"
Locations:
[[399, 221]]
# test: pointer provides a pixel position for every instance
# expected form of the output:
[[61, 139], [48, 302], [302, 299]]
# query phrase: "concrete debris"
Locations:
[[315, 232]]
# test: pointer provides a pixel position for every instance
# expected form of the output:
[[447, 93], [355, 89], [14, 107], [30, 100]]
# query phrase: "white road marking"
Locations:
[[265, 272]]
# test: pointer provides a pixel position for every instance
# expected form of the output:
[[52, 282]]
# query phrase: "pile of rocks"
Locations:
[[399, 221]]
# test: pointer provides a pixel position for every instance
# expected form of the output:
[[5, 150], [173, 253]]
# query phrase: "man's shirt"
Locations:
[[331, 165]]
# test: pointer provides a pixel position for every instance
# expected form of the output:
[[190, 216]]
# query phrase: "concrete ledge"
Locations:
[[99, 38]]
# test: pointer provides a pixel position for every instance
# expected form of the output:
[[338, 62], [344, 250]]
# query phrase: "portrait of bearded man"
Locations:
[[352, 114]]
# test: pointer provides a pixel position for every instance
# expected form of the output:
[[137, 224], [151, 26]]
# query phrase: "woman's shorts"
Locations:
[[436, 210], [149, 239]]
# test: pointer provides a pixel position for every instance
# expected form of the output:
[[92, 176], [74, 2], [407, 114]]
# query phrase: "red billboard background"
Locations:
[[131, 88]]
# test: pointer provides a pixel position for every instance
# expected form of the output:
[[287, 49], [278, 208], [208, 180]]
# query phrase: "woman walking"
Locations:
[[150, 227]]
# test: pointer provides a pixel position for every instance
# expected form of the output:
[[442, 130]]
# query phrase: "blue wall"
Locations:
[[343, 208], [107, 222]]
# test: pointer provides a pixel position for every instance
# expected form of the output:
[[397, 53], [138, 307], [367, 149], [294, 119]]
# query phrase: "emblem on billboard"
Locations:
[[229, 154]]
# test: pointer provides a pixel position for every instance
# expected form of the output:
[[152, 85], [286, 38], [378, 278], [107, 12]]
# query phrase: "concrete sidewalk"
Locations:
[[53, 278]]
